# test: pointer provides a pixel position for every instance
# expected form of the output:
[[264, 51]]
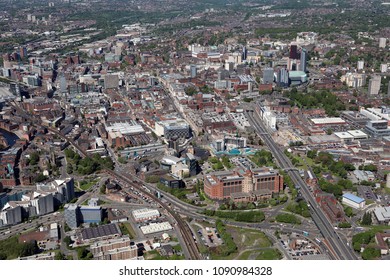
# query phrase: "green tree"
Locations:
[[366, 219], [371, 253]]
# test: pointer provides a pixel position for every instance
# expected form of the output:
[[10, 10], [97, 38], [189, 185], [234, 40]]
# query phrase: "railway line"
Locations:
[[184, 228], [337, 247]]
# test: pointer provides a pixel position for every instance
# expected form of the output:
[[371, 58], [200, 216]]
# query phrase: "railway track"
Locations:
[[184, 228]]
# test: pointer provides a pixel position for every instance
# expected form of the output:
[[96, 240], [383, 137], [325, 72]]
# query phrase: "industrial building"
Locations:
[[156, 227], [145, 214], [353, 201], [103, 232]]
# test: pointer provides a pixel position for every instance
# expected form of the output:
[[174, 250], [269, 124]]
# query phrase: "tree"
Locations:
[[190, 91], [59, 256], [371, 253], [40, 178], [29, 249], [34, 158], [366, 219], [348, 211]]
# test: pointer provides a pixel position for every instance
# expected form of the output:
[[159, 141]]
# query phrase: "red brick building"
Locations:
[[222, 184]]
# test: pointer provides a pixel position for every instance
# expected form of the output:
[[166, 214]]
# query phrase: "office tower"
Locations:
[[382, 42], [63, 84], [268, 75], [360, 65], [72, 215], [388, 89], [244, 53], [374, 85], [294, 52], [229, 66], [303, 62], [193, 71], [23, 52], [282, 77]]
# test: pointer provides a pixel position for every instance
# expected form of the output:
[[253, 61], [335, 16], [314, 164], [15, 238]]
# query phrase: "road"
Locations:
[[183, 230], [337, 246]]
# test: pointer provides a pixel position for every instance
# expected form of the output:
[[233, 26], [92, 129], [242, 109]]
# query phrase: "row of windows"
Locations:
[[234, 183], [227, 191], [266, 179]]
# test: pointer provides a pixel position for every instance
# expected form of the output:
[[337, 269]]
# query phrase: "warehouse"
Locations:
[[145, 214], [353, 201], [156, 227]]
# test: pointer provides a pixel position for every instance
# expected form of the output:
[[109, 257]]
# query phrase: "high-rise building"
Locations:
[[360, 65], [63, 84], [23, 52], [303, 62], [11, 214], [43, 203], [268, 75], [388, 89], [193, 71], [294, 51], [282, 77], [382, 42], [374, 85], [384, 67], [72, 215], [244, 53]]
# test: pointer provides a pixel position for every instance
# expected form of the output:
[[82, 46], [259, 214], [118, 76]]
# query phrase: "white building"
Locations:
[[374, 85], [156, 227], [145, 214], [382, 214], [360, 64], [353, 201], [382, 42], [384, 67]]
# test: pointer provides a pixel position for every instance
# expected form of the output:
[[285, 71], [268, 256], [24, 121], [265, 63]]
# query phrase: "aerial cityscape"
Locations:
[[194, 130]]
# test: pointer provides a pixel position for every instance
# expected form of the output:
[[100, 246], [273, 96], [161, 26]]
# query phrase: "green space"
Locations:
[[10, 248], [127, 229], [299, 208], [251, 238], [261, 254], [262, 158], [216, 163], [287, 218], [228, 247], [87, 165], [86, 184], [371, 252], [269, 254], [155, 255], [317, 99]]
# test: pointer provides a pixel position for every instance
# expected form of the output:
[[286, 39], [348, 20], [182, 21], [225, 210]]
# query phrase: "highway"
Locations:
[[339, 249]]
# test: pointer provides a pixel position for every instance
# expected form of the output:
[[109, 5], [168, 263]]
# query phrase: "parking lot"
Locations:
[[210, 237], [366, 193]]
